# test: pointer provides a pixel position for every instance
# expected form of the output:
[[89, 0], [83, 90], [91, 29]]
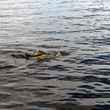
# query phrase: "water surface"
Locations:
[[80, 80]]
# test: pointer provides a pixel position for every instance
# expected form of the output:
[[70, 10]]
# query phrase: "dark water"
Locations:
[[78, 81]]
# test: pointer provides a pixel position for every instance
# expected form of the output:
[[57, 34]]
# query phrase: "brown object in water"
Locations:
[[39, 53]]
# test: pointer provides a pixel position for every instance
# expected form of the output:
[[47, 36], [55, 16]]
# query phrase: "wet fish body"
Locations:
[[41, 55]]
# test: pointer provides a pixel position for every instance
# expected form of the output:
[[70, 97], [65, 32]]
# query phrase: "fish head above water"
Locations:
[[42, 56], [39, 53]]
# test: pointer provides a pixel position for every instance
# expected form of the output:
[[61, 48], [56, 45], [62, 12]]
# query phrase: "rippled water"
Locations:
[[78, 81]]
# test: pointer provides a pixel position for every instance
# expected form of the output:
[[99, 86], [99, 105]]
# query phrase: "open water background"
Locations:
[[80, 80]]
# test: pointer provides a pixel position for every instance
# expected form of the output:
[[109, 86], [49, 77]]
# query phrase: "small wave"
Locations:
[[7, 66], [58, 68], [89, 95], [94, 61]]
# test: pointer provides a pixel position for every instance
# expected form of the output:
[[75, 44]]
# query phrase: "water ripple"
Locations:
[[78, 80]]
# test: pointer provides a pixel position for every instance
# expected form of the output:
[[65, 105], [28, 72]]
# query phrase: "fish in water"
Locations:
[[41, 55]]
